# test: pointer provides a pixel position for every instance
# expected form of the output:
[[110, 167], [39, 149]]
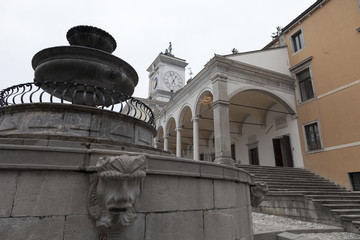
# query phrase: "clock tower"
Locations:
[[166, 75]]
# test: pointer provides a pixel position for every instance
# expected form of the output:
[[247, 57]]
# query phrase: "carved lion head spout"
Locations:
[[115, 188], [258, 193]]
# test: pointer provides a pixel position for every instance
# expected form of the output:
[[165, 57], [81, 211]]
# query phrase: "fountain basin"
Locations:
[[83, 65], [63, 121], [46, 190]]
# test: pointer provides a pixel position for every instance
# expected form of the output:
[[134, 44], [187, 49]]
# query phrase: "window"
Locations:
[[305, 85], [304, 81], [297, 41], [312, 134]]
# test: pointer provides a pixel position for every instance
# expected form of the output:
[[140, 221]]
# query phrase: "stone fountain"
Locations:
[[77, 160]]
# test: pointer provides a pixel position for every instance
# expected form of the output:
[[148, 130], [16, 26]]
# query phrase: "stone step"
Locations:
[[275, 168], [295, 179], [302, 183], [334, 196], [346, 211], [282, 178], [303, 191], [356, 223], [301, 186], [288, 186], [264, 172], [336, 201], [281, 173], [340, 206], [284, 175], [350, 217], [281, 192]]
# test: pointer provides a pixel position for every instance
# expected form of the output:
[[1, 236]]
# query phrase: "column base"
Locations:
[[225, 161]]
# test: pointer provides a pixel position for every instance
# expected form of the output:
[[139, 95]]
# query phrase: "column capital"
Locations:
[[178, 129], [196, 118], [220, 102], [294, 116]]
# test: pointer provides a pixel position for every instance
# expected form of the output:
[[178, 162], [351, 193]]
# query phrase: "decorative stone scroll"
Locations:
[[258, 192], [114, 190]]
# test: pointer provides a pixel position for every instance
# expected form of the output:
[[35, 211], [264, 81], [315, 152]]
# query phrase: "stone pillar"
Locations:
[[221, 120], [155, 143], [195, 121], [166, 143], [178, 142]]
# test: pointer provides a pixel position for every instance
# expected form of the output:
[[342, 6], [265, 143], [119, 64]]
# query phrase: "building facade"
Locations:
[[234, 112], [324, 54], [294, 103]]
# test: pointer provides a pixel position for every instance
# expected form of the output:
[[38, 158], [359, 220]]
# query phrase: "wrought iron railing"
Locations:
[[74, 93]]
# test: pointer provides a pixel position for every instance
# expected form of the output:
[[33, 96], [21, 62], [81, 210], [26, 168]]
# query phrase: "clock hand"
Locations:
[[173, 81]]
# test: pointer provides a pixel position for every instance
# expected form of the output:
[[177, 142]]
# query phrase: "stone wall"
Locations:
[[298, 207], [46, 197]]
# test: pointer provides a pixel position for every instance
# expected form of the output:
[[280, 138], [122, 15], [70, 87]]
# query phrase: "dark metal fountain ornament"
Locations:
[[84, 73], [91, 37], [88, 62]]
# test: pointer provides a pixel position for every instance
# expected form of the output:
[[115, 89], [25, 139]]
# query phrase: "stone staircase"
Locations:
[[301, 194]]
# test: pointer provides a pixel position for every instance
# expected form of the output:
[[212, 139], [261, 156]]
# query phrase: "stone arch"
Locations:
[[171, 134], [249, 108], [186, 124], [256, 102], [205, 120], [204, 93], [185, 115], [279, 99], [160, 137]]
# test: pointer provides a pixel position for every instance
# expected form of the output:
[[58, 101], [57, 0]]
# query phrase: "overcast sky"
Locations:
[[142, 29]]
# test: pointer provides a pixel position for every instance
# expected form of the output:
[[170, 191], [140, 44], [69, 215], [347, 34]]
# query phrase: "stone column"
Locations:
[[221, 120], [166, 143], [178, 142], [155, 143], [195, 121]]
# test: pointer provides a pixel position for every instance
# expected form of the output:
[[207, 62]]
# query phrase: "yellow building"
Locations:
[[324, 53]]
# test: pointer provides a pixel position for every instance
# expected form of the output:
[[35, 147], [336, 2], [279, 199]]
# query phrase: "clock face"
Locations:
[[173, 80], [155, 83]]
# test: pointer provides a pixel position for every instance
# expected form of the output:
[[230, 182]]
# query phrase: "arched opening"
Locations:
[[186, 124], [171, 135], [259, 128], [205, 121], [160, 138]]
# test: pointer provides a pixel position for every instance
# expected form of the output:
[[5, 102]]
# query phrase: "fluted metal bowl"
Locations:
[[92, 37]]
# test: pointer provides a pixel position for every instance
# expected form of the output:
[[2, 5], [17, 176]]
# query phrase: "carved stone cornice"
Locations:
[[219, 76], [220, 102]]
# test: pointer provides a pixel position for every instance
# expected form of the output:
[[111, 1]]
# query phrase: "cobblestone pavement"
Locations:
[[265, 222]]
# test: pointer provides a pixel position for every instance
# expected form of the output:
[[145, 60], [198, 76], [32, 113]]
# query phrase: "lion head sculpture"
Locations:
[[258, 193]]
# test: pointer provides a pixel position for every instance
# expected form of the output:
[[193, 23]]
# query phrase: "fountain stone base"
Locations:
[[45, 194]]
